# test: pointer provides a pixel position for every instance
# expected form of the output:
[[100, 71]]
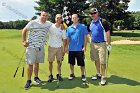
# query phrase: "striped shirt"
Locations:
[[37, 32]]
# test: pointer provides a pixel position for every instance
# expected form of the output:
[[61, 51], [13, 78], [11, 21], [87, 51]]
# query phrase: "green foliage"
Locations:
[[118, 23], [132, 22], [34, 17], [112, 10], [137, 20], [1, 25], [56, 6], [18, 24]]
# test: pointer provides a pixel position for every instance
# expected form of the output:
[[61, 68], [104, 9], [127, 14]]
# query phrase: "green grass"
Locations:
[[123, 71]]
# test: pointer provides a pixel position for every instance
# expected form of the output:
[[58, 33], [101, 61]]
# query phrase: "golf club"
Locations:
[[19, 63], [23, 69], [107, 61]]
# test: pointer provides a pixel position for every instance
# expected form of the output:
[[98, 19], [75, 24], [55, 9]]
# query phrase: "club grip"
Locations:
[[16, 71], [108, 52]]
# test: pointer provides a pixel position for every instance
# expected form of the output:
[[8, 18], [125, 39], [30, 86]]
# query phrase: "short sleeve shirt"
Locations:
[[76, 36], [37, 32], [98, 30], [56, 36]]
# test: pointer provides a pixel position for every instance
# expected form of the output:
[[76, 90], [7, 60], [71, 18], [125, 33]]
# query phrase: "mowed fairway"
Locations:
[[123, 72]]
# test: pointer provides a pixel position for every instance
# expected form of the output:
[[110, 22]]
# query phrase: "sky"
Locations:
[[11, 10]]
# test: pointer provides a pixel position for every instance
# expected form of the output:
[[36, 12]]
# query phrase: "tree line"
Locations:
[[18, 24], [114, 11]]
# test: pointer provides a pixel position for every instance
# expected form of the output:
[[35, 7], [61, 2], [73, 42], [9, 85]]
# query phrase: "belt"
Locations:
[[98, 42]]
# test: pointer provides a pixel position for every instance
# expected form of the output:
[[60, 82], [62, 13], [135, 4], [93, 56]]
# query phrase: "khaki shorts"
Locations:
[[55, 52], [98, 52], [34, 55]]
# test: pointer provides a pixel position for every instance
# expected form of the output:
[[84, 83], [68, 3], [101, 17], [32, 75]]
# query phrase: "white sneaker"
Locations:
[[72, 76], [103, 81], [83, 78], [97, 76]]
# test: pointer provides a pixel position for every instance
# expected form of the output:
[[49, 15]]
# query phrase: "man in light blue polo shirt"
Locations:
[[100, 34], [76, 41]]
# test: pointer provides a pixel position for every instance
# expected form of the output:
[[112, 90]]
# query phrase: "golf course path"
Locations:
[[125, 42]]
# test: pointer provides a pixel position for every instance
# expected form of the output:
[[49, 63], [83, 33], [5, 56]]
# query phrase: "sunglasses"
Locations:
[[93, 13]]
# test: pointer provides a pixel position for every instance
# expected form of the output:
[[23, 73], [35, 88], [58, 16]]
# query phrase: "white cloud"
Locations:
[[132, 2], [16, 9]]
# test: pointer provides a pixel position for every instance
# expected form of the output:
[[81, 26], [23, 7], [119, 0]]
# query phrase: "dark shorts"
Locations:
[[76, 55]]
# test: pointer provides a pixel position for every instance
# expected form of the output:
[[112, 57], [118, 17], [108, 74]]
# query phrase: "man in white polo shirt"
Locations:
[[38, 30], [56, 38]]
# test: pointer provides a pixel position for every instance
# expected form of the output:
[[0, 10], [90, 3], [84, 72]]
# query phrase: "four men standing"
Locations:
[[76, 36]]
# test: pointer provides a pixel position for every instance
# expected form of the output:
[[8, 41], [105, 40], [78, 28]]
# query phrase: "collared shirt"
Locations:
[[56, 36], [98, 30], [37, 32], [76, 36]]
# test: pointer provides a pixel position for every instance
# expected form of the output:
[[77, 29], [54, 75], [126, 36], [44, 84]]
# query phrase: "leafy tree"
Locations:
[[56, 6], [118, 23], [20, 24], [53, 7], [136, 15], [1, 25], [34, 17], [11, 24], [6, 25], [112, 10], [129, 22]]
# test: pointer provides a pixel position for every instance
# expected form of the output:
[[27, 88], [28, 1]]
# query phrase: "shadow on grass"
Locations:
[[121, 80], [66, 84], [71, 84]]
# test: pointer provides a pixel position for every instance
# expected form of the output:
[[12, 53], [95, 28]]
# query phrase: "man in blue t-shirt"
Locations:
[[99, 35], [76, 42]]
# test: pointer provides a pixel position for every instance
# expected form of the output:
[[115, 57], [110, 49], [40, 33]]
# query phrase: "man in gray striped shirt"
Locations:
[[38, 30]]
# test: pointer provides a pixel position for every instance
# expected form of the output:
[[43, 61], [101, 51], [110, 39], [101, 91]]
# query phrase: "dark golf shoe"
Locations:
[[37, 80], [28, 84], [59, 77], [50, 78]]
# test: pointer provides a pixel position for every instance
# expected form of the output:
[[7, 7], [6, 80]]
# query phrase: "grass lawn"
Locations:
[[123, 72]]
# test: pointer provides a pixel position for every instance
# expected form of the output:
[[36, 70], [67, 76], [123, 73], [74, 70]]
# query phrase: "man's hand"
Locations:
[[84, 49], [25, 44], [109, 48]]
